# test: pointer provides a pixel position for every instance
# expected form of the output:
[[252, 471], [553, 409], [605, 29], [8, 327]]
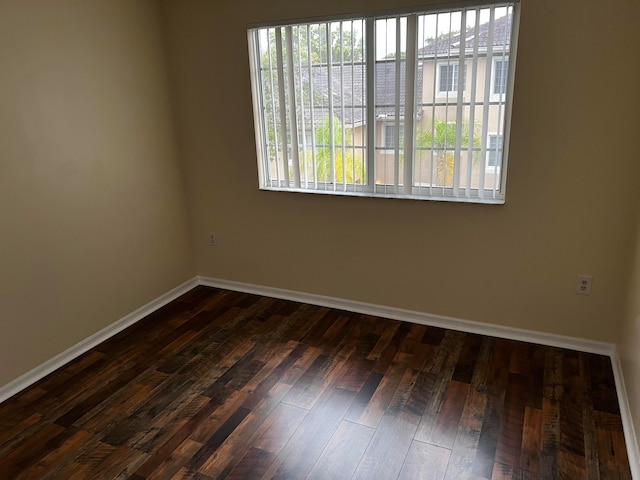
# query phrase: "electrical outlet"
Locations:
[[212, 239], [583, 285]]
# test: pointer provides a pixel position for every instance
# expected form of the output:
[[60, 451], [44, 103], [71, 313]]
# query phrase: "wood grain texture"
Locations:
[[225, 385]]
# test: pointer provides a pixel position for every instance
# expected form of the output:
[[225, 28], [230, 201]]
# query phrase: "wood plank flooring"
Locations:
[[225, 385]]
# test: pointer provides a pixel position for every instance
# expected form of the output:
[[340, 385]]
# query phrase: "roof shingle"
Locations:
[[353, 77]]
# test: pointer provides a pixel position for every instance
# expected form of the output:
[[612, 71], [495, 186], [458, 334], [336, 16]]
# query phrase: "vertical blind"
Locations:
[[404, 105]]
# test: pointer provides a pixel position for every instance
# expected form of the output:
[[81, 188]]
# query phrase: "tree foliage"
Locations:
[[312, 39], [348, 167], [440, 137]]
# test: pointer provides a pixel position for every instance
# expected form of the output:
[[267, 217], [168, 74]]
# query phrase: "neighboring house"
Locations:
[[489, 54], [348, 93]]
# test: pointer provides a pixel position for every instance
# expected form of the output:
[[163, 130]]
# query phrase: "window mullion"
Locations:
[[283, 107], [452, 78], [498, 151], [276, 151], [460, 87], [472, 106], [295, 159], [487, 98], [353, 127], [311, 112], [396, 119], [371, 103], [303, 126], [342, 139], [332, 152], [434, 174], [410, 75]]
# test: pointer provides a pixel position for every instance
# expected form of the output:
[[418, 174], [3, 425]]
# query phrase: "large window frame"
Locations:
[[288, 157]]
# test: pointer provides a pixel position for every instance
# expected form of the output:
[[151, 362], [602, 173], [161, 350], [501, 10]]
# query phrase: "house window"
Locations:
[[390, 132], [373, 106], [448, 78], [494, 151], [499, 77]]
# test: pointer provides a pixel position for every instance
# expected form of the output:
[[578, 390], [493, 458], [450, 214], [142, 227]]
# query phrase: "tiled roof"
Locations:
[[501, 37], [354, 79]]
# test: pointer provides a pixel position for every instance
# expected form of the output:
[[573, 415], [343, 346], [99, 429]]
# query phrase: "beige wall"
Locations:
[[572, 198], [92, 208]]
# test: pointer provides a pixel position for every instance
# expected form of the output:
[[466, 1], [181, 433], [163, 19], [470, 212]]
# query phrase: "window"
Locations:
[[390, 132], [494, 150], [448, 79], [372, 105], [500, 77]]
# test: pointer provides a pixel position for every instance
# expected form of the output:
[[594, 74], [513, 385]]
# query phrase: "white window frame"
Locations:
[[404, 184], [499, 58], [456, 67]]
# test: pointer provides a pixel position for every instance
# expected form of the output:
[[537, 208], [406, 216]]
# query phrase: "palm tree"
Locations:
[[350, 168]]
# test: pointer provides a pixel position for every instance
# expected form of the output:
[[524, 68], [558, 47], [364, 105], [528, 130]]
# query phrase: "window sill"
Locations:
[[488, 200]]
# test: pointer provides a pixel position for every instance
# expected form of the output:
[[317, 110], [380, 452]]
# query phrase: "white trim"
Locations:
[[497, 152], [469, 326], [630, 437], [254, 67], [498, 97], [456, 73], [44, 369]]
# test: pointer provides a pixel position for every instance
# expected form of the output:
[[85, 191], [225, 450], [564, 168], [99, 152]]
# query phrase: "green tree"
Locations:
[[440, 138], [314, 38], [306, 39], [349, 167]]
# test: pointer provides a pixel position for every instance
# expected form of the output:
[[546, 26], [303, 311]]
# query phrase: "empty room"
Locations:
[[364, 239]]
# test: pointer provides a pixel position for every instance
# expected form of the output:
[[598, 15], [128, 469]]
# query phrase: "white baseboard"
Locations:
[[554, 340], [631, 439], [469, 326], [78, 349]]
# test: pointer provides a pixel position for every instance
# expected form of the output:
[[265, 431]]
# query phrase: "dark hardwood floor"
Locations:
[[220, 384]]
